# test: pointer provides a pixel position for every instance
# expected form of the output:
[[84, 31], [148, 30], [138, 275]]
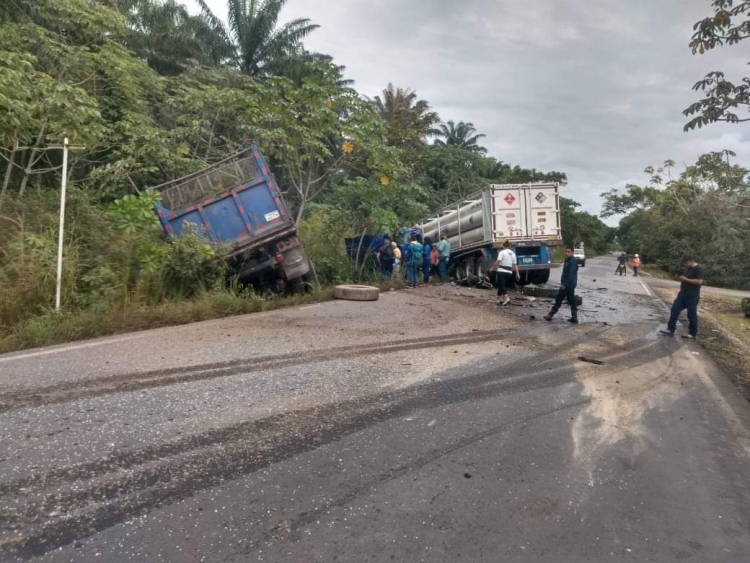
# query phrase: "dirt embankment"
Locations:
[[724, 332]]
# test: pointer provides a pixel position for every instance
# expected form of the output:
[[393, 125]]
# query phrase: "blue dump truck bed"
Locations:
[[236, 203]]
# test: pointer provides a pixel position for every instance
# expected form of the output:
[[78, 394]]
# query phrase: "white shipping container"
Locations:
[[515, 212]]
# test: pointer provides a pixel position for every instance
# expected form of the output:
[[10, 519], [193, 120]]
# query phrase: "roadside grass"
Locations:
[[724, 333], [57, 328], [51, 328], [654, 271]]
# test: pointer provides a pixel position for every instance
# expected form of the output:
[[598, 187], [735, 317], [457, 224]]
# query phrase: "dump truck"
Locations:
[[527, 215], [236, 205]]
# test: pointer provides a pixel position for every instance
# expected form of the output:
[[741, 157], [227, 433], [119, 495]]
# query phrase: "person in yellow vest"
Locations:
[[636, 265]]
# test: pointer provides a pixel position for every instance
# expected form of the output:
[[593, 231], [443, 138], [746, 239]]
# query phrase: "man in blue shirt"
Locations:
[[567, 290], [444, 254]]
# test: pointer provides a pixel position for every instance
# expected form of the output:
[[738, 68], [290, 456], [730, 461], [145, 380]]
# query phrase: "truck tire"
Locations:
[[356, 292], [539, 277], [583, 263], [461, 273], [546, 293]]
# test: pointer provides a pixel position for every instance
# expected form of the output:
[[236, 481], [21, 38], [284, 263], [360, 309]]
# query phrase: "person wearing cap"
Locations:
[[687, 298], [636, 265]]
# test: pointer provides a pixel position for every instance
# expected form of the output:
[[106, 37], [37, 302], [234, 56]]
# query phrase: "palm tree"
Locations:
[[260, 48], [408, 121], [165, 35], [461, 135]]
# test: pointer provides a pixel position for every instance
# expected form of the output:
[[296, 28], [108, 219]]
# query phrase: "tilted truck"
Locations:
[[236, 204], [527, 215]]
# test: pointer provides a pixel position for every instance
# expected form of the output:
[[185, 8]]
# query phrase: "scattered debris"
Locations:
[[696, 353], [432, 422], [467, 475], [591, 360]]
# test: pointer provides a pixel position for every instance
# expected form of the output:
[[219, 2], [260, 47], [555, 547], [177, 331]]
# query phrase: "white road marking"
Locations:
[[57, 350], [646, 288]]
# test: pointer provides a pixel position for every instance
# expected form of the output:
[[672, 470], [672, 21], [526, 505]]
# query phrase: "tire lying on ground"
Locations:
[[545, 293], [356, 292]]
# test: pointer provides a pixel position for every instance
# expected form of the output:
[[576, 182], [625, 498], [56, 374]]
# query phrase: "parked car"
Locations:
[[580, 255]]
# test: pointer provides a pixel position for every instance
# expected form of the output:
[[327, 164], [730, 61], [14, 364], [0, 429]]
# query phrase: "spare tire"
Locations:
[[356, 292]]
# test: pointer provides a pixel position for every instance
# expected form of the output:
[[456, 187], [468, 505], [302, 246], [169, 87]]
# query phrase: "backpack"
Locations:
[[386, 254], [415, 254]]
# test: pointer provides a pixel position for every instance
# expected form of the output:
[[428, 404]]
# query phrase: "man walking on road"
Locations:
[[444, 253], [567, 290], [505, 264], [687, 298]]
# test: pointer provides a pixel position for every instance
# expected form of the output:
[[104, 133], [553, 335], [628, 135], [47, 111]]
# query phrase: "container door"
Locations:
[[543, 216], [508, 213]]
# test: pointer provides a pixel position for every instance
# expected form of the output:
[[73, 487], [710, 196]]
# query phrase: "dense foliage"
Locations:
[[704, 211], [149, 92]]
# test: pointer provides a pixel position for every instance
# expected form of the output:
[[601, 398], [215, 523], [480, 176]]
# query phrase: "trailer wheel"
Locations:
[[356, 292], [480, 267], [461, 273], [539, 277]]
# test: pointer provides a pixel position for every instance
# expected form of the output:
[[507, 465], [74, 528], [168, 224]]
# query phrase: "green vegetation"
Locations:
[[702, 211], [151, 93], [705, 210]]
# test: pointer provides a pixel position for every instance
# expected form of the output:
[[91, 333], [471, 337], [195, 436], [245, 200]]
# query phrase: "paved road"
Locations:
[[429, 426]]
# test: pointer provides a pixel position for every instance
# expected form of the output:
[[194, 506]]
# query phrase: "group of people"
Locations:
[[420, 258], [622, 262]]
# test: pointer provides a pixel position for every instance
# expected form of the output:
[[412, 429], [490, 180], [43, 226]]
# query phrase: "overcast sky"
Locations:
[[591, 88]]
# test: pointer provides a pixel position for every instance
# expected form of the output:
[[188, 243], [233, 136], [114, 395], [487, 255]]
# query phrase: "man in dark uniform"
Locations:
[[687, 298], [567, 290]]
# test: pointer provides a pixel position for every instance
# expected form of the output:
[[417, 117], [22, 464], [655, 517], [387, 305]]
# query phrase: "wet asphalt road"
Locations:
[[429, 426]]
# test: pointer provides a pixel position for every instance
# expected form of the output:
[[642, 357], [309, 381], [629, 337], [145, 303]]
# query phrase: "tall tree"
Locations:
[[260, 47], [409, 121], [724, 100], [461, 135], [165, 35]]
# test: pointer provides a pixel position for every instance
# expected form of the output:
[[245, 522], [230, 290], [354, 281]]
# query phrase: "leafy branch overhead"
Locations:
[[724, 100]]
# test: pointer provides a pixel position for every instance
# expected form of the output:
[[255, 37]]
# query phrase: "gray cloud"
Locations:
[[594, 89]]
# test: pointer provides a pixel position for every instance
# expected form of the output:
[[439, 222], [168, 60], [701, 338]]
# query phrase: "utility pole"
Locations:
[[65, 147]]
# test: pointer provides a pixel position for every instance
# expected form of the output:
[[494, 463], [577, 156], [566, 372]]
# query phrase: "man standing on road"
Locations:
[[636, 265], [568, 284], [504, 265], [687, 298], [444, 253]]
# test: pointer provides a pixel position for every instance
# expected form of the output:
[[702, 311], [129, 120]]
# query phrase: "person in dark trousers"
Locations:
[[413, 261], [386, 258], [504, 267], [622, 261], [444, 254], [426, 262], [687, 298], [568, 283]]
